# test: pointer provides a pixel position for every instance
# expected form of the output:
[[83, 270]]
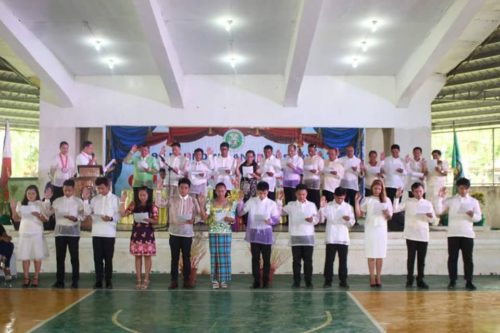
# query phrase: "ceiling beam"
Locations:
[[300, 48], [37, 56], [427, 57], [162, 49]]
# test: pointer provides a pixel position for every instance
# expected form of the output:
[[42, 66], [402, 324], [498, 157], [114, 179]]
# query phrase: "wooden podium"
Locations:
[[87, 174]]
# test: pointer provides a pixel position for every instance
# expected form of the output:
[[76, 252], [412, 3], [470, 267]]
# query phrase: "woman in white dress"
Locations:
[[377, 209], [32, 245]]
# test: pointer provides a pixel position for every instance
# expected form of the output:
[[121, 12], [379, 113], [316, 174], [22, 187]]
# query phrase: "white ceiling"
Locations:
[[262, 34]]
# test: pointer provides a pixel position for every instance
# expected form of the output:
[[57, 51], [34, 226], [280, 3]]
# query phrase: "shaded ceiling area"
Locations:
[[471, 95], [19, 98]]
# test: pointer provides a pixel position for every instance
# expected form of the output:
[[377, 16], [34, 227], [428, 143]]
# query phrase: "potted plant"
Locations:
[[198, 251]]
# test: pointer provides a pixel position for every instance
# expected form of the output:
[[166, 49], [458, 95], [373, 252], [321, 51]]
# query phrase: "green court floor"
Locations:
[[241, 309]]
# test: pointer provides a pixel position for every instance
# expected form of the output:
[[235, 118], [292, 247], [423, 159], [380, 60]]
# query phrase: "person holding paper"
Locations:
[[142, 240], [198, 172], [436, 177], [292, 167], [333, 172], [418, 214], [416, 167], [223, 167], [248, 172], [377, 209], [339, 216], [269, 168], [302, 217], [178, 167], [145, 167], [62, 168], [86, 156], [32, 214], [68, 212], [221, 214], [104, 210], [463, 210], [352, 172], [263, 213], [183, 210], [313, 166], [394, 172], [372, 171]]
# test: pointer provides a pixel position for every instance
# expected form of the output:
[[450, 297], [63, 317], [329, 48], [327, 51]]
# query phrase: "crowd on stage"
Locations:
[[305, 189]]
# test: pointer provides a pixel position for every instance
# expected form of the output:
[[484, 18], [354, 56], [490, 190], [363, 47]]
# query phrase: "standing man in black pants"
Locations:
[[68, 211], [105, 210], [463, 211]]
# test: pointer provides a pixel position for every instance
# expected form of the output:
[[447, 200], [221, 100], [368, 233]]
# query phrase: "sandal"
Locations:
[[34, 284], [145, 284], [26, 282], [138, 284]]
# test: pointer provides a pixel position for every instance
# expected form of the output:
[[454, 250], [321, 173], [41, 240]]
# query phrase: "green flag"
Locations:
[[456, 162]]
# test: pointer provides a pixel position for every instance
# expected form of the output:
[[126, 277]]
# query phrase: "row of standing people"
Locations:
[[104, 210]]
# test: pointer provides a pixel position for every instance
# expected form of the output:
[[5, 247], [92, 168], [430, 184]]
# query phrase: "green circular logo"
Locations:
[[234, 138]]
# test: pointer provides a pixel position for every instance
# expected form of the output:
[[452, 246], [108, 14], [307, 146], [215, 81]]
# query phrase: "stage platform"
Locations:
[[486, 253]]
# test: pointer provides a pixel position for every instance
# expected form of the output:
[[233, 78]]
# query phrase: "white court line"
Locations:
[[362, 308], [114, 319], [219, 291], [60, 312], [328, 321]]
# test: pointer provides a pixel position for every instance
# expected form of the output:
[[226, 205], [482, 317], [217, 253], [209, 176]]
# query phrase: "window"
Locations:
[[24, 147]]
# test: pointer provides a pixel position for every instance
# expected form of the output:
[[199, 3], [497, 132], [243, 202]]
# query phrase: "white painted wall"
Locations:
[[238, 101]]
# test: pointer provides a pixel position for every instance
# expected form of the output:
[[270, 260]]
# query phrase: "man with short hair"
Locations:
[[105, 210], [418, 214], [352, 172], [313, 166], [223, 167], [416, 167], [269, 168], [62, 168], [183, 209], [293, 166], [68, 211], [176, 167], [86, 156], [302, 217], [263, 213], [463, 210], [333, 172], [394, 172]]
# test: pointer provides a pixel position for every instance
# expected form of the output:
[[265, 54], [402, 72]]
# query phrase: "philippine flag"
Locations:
[[6, 163]]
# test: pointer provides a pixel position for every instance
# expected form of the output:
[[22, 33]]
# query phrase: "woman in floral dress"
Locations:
[[142, 240]]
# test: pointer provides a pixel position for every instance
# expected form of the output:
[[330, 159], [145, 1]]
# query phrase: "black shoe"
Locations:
[[469, 286], [295, 285], [58, 285], [255, 285], [409, 284], [309, 285], [173, 285], [98, 285], [451, 285], [343, 284], [74, 285], [327, 285], [187, 285], [109, 285], [422, 285], [378, 285]]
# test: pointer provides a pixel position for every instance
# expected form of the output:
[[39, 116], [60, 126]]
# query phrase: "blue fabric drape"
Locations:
[[122, 139], [341, 138]]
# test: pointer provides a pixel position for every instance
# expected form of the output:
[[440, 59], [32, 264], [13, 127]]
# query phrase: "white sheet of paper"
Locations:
[[417, 174], [465, 207], [223, 170], [423, 208], [308, 167], [247, 171], [183, 218], [379, 207], [28, 209], [219, 216], [141, 217], [432, 164]]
